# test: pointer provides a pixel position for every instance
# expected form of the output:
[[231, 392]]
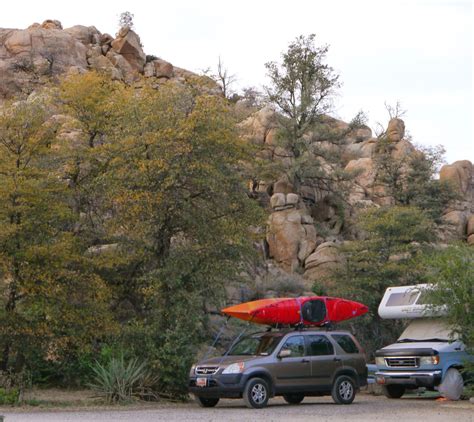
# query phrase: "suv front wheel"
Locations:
[[256, 393], [294, 398], [206, 402], [343, 390]]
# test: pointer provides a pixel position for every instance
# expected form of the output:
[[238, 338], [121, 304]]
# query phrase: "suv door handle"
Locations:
[[336, 360], [305, 360]]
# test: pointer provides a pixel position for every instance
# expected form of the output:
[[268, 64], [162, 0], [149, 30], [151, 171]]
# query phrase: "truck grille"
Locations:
[[403, 362], [206, 370]]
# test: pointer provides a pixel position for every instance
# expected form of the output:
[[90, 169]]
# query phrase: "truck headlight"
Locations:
[[235, 368], [379, 361], [191, 371], [429, 360]]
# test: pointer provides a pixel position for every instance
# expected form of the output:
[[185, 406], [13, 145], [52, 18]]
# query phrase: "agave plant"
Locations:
[[120, 381]]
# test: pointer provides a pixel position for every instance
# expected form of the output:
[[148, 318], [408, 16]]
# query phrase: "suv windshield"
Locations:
[[255, 345]]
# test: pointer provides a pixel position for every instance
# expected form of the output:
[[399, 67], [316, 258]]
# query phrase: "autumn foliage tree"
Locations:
[[51, 303], [180, 205]]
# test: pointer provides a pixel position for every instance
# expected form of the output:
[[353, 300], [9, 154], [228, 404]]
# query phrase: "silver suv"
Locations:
[[292, 364]]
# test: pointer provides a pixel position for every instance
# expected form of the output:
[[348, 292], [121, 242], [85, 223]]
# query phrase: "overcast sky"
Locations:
[[418, 52]]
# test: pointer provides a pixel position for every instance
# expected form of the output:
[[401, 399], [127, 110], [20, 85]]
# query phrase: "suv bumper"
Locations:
[[219, 386], [409, 378]]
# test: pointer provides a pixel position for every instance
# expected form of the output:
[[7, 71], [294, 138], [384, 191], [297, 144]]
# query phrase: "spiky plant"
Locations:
[[121, 381]]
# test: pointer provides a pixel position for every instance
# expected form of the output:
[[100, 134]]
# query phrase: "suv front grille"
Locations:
[[206, 370], [403, 362]]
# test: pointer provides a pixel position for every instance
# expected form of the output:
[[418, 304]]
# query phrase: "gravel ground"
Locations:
[[365, 408]]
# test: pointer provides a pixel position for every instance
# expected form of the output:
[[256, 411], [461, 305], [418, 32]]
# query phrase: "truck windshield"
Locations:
[[255, 345], [427, 329]]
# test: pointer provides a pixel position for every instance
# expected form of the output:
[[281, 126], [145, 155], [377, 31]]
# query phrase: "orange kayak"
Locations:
[[308, 310]]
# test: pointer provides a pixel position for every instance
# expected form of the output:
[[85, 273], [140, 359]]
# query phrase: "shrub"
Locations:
[[13, 386], [9, 396], [121, 381]]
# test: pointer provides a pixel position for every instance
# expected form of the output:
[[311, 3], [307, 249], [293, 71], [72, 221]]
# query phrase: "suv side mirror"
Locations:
[[285, 353]]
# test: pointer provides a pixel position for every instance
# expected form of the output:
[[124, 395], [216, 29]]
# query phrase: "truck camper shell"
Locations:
[[408, 302]]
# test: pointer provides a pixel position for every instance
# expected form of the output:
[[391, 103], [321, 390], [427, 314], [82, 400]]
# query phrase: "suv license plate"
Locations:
[[201, 382]]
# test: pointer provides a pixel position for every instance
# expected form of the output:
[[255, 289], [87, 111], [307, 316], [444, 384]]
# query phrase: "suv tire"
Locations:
[[295, 398], [343, 390], [393, 391], [256, 393], [206, 402]]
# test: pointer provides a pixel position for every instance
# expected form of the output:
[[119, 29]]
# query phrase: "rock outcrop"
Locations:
[[460, 175], [395, 130], [26, 55], [321, 264], [291, 235], [30, 57], [459, 217], [128, 45], [298, 210]]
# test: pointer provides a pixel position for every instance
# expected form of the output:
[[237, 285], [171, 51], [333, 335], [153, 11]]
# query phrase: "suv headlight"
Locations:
[[191, 371], [379, 361], [429, 360], [235, 368]]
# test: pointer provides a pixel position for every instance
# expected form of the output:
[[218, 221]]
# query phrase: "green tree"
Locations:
[[451, 271], [51, 304], [126, 20], [302, 89], [412, 180], [302, 86], [393, 239]]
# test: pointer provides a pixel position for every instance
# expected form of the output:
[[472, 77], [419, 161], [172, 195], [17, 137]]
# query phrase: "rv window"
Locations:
[[402, 299]]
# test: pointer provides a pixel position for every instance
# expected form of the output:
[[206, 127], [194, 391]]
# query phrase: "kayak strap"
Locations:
[[218, 336], [238, 338], [301, 312]]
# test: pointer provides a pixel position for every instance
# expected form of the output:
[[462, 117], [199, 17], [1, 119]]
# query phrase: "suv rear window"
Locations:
[[346, 343], [319, 346]]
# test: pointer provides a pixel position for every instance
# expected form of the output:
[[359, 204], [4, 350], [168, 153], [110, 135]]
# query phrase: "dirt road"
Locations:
[[365, 408]]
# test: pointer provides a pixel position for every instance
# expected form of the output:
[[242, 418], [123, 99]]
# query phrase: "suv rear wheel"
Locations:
[[206, 402], [256, 393], [393, 391], [343, 390], [294, 398]]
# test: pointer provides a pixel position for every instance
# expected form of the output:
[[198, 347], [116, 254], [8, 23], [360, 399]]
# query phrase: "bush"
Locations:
[[121, 381], [9, 396]]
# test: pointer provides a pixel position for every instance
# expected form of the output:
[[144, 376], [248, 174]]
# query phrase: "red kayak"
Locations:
[[312, 310]]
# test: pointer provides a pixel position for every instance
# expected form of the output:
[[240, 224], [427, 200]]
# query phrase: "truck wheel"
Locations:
[[206, 402], [452, 384], [256, 393], [343, 390], [294, 398], [393, 391]]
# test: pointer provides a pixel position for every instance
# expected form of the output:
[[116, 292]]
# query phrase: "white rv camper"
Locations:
[[408, 302], [427, 354]]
